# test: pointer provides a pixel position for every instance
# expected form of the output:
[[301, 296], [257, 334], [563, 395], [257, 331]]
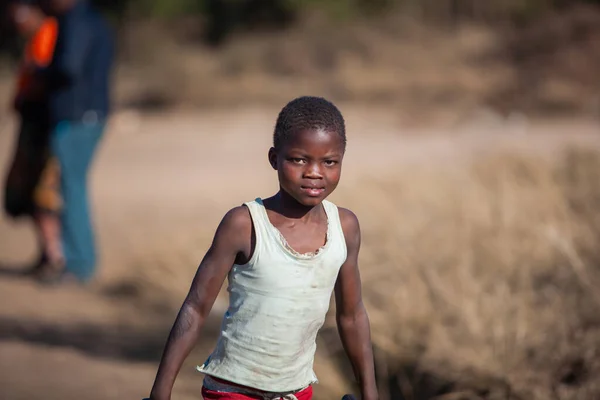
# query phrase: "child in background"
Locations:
[[283, 256], [31, 186], [41, 31]]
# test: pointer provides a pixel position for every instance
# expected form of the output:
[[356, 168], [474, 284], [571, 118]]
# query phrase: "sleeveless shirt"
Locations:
[[277, 304]]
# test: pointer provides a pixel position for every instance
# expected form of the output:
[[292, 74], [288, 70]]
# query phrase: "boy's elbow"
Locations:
[[345, 322], [351, 318], [197, 308]]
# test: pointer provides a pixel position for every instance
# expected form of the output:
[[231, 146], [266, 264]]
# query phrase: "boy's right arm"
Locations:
[[233, 237]]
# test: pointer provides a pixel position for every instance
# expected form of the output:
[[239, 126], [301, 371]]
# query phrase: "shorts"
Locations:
[[214, 389]]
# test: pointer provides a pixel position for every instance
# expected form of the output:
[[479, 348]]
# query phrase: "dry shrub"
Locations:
[[407, 59], [485, 277]]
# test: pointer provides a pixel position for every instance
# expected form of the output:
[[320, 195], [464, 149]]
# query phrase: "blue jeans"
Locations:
[[74, 145]]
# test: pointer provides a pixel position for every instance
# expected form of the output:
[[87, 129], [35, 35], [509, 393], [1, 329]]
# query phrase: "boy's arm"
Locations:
[[231, 238], [351, 315]]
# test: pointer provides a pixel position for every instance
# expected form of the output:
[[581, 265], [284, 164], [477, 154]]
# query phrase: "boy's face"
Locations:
[[309, 165]]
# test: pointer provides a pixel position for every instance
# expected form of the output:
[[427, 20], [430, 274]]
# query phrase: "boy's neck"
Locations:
[[289, 207]]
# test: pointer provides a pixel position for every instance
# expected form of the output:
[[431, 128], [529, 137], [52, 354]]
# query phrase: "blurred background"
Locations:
[[473, 165]]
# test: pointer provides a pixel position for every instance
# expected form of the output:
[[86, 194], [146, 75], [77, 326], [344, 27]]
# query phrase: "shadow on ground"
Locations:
[[142, 344], [14, 271]]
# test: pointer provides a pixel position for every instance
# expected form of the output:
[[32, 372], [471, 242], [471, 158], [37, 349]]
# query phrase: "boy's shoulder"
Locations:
[[350, 228], [235, 227], [348, 220], [238, 218], [234, 232]]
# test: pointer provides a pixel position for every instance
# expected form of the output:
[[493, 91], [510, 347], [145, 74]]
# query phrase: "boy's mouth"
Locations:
[[312, 191]]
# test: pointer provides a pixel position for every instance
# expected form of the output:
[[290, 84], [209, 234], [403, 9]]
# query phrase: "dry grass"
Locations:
[[485, 277]]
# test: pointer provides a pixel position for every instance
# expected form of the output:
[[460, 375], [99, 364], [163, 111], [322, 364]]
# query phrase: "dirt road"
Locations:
[[159, 186]]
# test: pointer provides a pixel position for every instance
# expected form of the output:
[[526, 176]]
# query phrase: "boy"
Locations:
[[283, 257]]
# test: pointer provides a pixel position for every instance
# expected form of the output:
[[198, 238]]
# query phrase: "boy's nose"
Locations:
[[313, 171]]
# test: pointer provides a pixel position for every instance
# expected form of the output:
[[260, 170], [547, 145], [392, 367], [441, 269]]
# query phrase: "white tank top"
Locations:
[[277, 304]]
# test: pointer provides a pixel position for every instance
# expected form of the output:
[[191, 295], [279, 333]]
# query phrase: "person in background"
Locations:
[[30, 188], [78, 85]]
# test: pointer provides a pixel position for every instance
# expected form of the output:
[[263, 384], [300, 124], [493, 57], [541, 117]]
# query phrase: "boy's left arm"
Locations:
[[351, 315]]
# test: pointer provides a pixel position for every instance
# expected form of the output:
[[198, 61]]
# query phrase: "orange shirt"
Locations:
[[38, 53]]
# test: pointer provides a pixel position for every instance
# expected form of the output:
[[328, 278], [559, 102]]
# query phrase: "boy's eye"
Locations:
[[330, 163], [298, 160]]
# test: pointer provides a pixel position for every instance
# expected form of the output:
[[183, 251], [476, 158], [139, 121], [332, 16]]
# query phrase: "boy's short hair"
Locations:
[[308, 112]]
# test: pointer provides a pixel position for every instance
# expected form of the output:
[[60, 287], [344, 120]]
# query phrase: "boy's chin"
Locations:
[[309, 201], [306, 200]]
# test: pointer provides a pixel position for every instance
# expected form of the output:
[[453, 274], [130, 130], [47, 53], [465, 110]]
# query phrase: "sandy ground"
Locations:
[[159, 186]]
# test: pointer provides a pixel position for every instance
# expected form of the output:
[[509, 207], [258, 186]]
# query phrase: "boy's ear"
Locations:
[[273, 158]]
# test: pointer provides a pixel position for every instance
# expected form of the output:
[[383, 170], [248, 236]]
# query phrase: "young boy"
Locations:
[[283, 256]]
